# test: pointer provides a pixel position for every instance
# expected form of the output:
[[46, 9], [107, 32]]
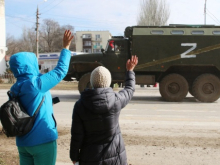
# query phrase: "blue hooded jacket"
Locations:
[[31, 87]]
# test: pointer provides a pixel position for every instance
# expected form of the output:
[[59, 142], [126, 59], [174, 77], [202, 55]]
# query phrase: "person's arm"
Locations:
[[77, 135], [67, 39], [131, 63], [125, 95], [47, 81]]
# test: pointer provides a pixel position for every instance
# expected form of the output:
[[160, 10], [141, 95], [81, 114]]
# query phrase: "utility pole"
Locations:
[[37, 36], [205, 13]]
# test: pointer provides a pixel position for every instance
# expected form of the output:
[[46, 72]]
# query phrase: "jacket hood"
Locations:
[[98, 100], [24, 64]]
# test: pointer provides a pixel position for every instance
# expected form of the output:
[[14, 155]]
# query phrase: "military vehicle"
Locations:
[[181, 58]]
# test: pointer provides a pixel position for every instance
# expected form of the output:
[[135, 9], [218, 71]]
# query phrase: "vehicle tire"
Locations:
[[173, 87], [206, 88], [84, 82]]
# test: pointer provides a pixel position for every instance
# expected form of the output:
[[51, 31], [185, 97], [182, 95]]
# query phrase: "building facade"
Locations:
[[48, 61], [3, 47], [91, 41]]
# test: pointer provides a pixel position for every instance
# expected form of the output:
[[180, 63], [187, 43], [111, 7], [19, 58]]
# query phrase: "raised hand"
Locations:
[[67, 38], [131, 63]]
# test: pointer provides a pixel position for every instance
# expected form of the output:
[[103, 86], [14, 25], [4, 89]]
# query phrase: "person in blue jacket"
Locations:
[[39, 146]]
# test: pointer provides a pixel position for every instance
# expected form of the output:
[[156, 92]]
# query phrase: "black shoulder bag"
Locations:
[[14, 118]]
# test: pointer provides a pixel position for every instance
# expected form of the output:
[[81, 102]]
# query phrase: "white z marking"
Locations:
[[184, 55]]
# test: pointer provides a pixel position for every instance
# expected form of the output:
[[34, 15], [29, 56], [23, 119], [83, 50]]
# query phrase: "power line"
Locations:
[[43, 8], [82, 26], [46, 7], [86, 19], [213, 16], [52, 7], [7, 21], [48, 4], [19, 18]]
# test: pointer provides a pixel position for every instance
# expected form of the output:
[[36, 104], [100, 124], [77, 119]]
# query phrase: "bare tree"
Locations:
[[13, 45], [153, 13], [58, 41], [25, 43], [28, 40], [49, 32], [50, 40]]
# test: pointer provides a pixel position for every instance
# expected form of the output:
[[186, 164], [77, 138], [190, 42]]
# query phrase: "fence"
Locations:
[[7, 78]]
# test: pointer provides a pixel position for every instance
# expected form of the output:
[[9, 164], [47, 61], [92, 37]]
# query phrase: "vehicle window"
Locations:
[[114, 46], [216, 32], [110, 46], [177, 32], [159, 32], [119, 47], [197, 32]]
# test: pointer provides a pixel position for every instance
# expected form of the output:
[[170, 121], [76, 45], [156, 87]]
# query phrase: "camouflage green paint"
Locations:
[[172, 58]]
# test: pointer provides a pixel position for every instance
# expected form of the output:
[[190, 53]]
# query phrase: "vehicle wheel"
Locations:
[[173, 87], [206, 88], [84, 82]]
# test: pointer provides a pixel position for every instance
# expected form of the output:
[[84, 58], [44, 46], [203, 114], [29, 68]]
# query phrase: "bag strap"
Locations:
[[39, 106], [11, 95]]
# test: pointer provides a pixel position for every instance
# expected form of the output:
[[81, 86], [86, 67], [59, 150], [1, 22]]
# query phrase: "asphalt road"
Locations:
[[156, 132], [147, 105]]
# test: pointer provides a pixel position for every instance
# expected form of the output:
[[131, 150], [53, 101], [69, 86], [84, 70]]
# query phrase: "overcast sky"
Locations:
[[111, 15]]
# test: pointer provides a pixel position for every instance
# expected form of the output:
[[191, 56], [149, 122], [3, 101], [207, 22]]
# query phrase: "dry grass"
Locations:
[[66, 86], [60, 86], [8, 150], [5, 86]]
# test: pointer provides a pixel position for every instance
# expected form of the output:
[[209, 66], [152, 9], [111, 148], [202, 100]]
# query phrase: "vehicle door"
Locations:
[[115, 58]]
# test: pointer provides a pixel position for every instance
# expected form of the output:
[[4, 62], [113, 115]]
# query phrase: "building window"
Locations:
[[43, 56], [96, 50], [86, 36], [87, 50], [97, 37], [87, 43], [97, 43], [53, 55]]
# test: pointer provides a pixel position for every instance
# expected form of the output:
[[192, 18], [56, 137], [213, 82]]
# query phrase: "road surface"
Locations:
[[155, 132]]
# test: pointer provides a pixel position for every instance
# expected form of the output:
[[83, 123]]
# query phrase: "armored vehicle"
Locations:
[[181, 58]]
